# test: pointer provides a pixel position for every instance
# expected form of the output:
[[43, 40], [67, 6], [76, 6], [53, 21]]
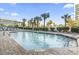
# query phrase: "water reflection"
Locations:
[[23, 36], [45, 44]]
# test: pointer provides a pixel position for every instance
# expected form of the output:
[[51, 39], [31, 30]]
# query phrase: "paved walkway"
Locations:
[[10, 47]]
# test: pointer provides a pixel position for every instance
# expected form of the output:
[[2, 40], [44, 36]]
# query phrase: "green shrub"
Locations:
[[52, 29], [42, 29], [75, 30], [64, 29]]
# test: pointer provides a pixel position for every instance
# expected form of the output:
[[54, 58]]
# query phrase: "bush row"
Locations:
[[60, 29], [43, 29], [65, 29]]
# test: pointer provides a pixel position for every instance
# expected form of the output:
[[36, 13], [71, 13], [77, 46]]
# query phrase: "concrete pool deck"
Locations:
[[10, 47]]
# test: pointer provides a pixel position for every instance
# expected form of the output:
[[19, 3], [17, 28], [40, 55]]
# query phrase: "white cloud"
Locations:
[[14, 14], [1, 9], [68, 5]]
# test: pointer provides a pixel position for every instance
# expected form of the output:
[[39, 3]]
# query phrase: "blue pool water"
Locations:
[[35, 41]]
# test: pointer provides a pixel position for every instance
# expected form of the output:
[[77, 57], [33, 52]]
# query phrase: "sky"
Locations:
[[18, 11]]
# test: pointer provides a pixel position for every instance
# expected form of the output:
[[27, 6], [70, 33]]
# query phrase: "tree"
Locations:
[[45, 16], [49, 23], [70, 23], [37, 18], [29, 23], [23, 23], [65, 17], [32, 22]]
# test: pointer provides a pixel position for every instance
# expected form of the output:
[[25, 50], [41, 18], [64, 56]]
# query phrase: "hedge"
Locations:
[[43, 29], [75, 30], [64, 29]]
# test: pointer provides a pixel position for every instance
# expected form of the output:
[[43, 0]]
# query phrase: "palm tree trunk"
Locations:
[[32, 26], [65, 22], [44, 23], [23, 25], [37, 24]]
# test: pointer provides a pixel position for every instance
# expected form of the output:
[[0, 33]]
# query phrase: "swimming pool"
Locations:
[[36, 41]]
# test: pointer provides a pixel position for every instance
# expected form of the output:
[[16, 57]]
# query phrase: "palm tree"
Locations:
[[70, 24], [37, 18], [65, 17], [23, 23], [29, 23], [45, 16], [49, 23], [32, 22]]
